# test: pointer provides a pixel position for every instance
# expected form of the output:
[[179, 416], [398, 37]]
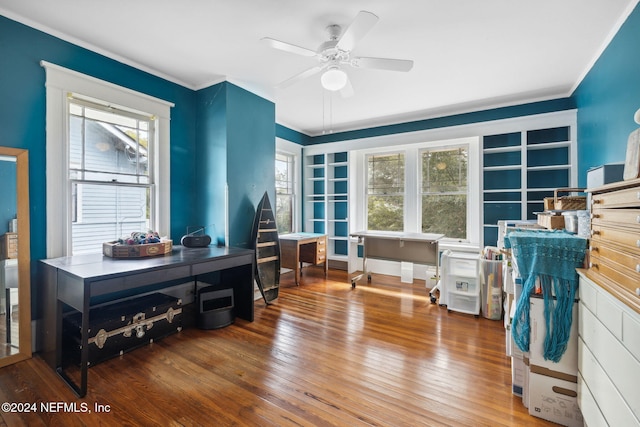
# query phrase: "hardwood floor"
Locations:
[[323, 354]]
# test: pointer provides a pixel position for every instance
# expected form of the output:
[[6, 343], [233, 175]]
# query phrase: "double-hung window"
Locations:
[[285, 192], [112, 182], [385, 191], [444, 191], [108, 162], [421, 188]]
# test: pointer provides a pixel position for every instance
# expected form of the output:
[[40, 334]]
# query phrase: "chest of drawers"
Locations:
[[615, 240]]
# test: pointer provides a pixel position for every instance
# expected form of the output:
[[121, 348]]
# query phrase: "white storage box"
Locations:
[[518, 369], [554, 399], [459, 283], [464, 303], [568, 364]]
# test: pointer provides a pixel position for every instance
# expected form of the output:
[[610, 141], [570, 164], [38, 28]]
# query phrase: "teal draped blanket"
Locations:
[[551, 258]]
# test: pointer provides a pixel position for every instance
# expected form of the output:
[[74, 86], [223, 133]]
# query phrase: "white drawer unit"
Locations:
[[608, 358], [461, 283]]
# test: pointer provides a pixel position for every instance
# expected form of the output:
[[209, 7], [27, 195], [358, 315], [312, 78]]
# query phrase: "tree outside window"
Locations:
[[385, 192], [444, 192], [285, 185]]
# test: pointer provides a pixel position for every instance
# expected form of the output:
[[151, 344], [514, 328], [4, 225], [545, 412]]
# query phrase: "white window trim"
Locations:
[[295, 150], [412, 214], [59, 83]]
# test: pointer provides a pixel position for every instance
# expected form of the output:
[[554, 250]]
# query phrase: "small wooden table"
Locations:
[[297, 248]]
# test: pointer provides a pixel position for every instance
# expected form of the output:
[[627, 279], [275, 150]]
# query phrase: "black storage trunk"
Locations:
[[122, 326]]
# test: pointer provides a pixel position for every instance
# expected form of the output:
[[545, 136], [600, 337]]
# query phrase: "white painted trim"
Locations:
[[59, 83], [288, 147]]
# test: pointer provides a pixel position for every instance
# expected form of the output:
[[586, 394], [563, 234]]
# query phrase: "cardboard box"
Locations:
[[518, 369], [117, 250], [553, 399], [9, 246], [550, 221], [568, 364]]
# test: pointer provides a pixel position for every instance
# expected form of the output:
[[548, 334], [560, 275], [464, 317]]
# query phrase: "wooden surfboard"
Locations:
[[267, 250]]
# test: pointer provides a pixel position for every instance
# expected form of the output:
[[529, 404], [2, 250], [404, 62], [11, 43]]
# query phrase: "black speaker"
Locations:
[[215, 308]]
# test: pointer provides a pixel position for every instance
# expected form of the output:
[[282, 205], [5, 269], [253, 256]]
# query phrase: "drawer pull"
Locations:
[[597, 232], [593, 265], [595, 201], [638, 268], [593, 216], [593, 249]]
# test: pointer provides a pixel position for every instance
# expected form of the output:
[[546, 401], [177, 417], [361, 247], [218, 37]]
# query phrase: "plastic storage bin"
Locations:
[[491, 278], [460, 282]]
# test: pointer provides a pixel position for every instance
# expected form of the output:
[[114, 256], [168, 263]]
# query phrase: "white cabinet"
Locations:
[[608, 358], [460, 282]]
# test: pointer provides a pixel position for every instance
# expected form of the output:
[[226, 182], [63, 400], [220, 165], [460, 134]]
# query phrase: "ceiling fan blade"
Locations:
[[347, 90], [383, 63], [360, 26], [288, 47], [301, 76]]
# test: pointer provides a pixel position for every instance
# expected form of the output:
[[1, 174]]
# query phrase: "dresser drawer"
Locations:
[[626, 278], [315, 253], [628, 218], [627, 198], [627, 259], [616, 236]]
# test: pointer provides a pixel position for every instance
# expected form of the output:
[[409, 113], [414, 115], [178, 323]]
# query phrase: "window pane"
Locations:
[[444, 171], [445, 214], [284, 213], [385, 192], [108, 146], [386, 174], [105, 213], [285, 185], [385, 213], [444, 192]]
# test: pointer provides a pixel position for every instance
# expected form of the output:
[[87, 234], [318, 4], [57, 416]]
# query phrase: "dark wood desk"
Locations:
[[72, 282], [297, 248]]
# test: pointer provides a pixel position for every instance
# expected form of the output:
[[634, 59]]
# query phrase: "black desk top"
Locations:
[[98, 266]]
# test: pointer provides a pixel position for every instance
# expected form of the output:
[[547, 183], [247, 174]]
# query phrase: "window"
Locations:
[[422, 187], [132, 189], [444, 192], [285, 192], [111, 184], [385, 192]]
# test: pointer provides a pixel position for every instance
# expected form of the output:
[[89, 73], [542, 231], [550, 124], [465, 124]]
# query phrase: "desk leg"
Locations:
[[364, 267], [298, 263], [7, 313], [79, 390]]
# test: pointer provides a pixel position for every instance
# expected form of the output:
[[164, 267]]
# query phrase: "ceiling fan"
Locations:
[[335, 54]]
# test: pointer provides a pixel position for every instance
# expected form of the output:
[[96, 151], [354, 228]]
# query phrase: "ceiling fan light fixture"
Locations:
[[333, 79]]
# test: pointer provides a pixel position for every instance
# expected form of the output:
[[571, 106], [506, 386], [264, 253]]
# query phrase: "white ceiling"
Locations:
[[468, 54]]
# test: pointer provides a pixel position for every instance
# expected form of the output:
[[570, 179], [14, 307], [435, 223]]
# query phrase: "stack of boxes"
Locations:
[[548, 389]]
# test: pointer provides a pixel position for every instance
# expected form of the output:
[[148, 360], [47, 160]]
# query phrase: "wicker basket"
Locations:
[[566, 203]]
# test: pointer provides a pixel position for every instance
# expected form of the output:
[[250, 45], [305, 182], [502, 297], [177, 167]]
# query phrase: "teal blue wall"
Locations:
[[454, 120], [22, 114], [8, 207], [251, 151], [607, 98], [211, 165], [236, 146]]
